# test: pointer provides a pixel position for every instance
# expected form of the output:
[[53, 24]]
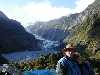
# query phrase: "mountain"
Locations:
[[13, 37], [83, 26], [89, 30], [3, 16], [58, 27]]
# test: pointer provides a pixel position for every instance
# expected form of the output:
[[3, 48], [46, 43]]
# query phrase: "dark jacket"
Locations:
[[86, 69], [67, 66]]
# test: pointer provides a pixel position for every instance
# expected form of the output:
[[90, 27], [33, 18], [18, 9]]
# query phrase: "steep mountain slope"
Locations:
[[58, 27], [13, 36], [77, 27], [3, 16], [89, 30]]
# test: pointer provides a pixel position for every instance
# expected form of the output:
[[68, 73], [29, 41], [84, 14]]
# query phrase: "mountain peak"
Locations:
[[3, 16]]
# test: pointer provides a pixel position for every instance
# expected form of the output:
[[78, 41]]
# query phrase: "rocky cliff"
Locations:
[[13, 36]]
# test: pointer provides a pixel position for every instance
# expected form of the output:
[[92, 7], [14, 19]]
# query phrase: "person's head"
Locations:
[[69, 50], [77, 57]]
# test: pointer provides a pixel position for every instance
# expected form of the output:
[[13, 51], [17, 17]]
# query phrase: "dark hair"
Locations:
[[76, 55]]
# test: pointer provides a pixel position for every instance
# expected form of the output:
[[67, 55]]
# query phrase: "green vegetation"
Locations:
[[86, 37], [43, 62]]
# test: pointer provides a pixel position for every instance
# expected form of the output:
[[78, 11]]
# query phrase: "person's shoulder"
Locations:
[[61, 60], [87, 62]]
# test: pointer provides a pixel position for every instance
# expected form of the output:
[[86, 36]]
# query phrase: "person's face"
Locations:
[[77, 57], [69, 53]]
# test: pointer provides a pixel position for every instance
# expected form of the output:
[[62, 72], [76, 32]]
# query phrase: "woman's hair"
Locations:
[[76, 55]]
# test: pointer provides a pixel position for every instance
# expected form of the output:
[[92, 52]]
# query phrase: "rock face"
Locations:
[[55, 30], [89, 29], [13, 36]]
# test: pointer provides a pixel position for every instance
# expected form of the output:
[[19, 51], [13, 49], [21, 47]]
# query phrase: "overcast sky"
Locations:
[[30, 11]]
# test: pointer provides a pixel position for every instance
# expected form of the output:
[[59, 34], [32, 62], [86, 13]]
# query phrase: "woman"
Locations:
[[85, 66], [67, 65]]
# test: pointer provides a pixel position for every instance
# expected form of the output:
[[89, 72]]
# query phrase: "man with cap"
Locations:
[[67, 65]]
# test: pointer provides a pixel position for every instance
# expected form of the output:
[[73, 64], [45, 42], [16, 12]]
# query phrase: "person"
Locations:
[[85, 66], [67, 65], [76, 56]]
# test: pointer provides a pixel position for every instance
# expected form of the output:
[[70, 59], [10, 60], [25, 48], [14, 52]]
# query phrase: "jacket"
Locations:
[[87, 69], [67, 66]]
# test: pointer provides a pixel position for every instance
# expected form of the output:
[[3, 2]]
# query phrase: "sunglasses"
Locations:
[[70, 49]]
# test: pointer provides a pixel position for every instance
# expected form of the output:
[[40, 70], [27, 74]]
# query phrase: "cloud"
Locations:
[[82, 5], [32, 12], [42, 11]]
